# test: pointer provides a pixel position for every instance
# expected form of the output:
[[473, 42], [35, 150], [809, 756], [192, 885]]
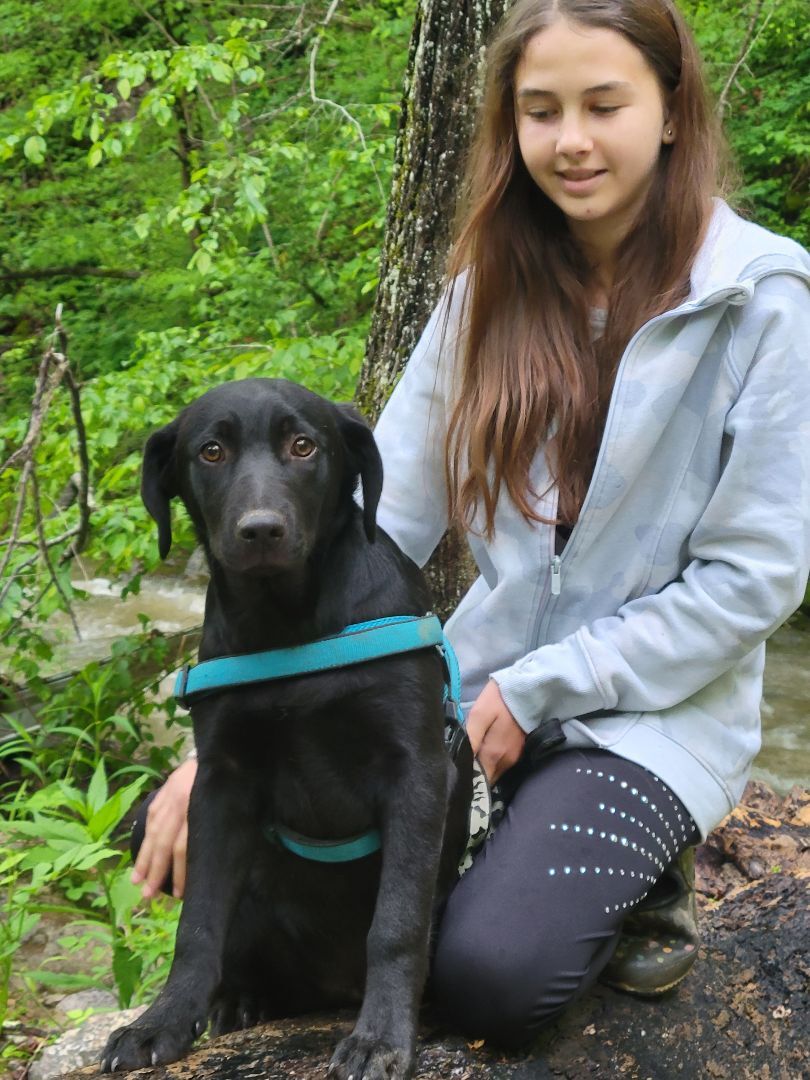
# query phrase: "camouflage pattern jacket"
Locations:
[[646, 636]]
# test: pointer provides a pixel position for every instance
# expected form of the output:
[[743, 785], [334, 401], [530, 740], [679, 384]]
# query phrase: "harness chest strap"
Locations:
[[356, 644]]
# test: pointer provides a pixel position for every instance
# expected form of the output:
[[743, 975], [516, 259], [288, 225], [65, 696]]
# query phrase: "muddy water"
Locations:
[[784, 759], [177, 603]]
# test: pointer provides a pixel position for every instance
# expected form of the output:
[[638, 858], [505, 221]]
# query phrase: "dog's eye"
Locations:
[[302, 447], [212, 452]]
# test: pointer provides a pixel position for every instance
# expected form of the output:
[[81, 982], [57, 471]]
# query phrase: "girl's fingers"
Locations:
[[180, 862]]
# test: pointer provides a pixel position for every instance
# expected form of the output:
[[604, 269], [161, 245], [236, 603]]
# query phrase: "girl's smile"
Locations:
[[591, 121], [581, 181]]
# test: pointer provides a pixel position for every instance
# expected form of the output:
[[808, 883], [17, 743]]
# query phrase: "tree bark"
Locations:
[[438, 110]]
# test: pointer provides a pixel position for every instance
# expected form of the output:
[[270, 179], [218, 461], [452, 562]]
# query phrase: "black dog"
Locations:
[[267, 472]]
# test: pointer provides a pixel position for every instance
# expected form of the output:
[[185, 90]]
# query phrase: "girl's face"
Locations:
[[591, 119]]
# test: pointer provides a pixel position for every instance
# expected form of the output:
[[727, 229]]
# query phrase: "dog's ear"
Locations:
[[159, 483], [364, 458]]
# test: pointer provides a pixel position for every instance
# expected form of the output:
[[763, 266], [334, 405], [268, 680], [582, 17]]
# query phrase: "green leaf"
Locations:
[[98, 790], [127, 967], [124, 88], [34, 149], [221, 72], [94, 155]]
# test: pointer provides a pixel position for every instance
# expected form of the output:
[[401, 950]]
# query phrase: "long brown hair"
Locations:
[[529, 367]]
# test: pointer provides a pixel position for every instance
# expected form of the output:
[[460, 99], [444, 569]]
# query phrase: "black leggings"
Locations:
[[537, 917]]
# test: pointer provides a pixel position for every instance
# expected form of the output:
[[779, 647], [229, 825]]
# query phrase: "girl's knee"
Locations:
[[488, 994]]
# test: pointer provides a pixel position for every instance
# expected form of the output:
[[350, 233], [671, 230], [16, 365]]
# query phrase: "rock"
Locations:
[[196, 568], [80, 1046], [100, 1000], [766, 834], [743, 1012]]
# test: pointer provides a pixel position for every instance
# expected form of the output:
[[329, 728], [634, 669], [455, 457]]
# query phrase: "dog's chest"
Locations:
[[316, 768]]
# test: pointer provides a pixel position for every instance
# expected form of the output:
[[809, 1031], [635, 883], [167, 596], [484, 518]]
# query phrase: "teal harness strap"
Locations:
[[355, 645], [327, 851]]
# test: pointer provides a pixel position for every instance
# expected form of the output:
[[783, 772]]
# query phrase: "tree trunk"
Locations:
[[438, 111]]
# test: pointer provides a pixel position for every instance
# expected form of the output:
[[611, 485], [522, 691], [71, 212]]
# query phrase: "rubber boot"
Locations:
[[659, 941]]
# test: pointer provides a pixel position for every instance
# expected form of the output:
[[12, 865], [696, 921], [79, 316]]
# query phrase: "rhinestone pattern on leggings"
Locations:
[[532, 923]]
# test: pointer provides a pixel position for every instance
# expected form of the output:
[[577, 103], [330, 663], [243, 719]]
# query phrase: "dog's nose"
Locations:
[[261, 526]]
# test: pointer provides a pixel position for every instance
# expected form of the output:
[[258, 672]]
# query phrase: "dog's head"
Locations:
[[267, 471]]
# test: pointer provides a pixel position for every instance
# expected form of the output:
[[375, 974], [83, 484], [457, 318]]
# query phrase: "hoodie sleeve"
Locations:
[[749, 553], [410, 435]]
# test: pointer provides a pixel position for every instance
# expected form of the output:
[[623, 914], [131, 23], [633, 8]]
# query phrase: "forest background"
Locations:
[[202, 186]]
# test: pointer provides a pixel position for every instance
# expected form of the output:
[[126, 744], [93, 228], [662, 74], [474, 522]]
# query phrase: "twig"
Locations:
[[163, 29], [748, 43], [53, 369], [82, 498], [67, 271], [335, 104], [43, 550], [271, 247], [53, 542], [47, 383], [15, 528]]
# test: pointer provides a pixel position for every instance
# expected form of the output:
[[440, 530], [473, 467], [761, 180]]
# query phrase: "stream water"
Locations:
[[177, 603]]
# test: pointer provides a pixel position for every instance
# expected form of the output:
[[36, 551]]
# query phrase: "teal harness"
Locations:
[[356, 644]]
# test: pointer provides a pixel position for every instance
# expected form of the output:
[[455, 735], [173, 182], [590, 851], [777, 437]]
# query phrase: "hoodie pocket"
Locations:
[[604, 729]]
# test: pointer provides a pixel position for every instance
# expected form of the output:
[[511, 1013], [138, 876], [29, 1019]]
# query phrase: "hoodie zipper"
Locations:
[[643, 332]]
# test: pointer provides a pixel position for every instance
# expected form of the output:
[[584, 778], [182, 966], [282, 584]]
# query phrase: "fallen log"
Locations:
[[743, 1012]]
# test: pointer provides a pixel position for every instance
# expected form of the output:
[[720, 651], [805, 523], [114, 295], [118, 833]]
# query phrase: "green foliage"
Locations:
[[61, 858], [767, 105], [105, 711]]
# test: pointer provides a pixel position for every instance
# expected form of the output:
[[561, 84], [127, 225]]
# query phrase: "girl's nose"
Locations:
[[573, 137]]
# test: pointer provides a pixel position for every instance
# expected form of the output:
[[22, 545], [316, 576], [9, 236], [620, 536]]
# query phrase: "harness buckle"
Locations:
[[180, 687], [453, 711]]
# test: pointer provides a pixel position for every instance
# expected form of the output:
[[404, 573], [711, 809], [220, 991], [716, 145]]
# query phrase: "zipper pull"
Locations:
[[556, 576]]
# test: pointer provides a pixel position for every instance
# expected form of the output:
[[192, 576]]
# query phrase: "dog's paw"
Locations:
[[234, 1014], [141, 1044], [359, 1058]]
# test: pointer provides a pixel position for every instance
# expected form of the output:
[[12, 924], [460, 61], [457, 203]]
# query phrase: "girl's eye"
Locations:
[[212, 452], [302, 447], [541, 114], [605, 110]]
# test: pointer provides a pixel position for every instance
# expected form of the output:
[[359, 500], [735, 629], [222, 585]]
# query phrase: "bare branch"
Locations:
[[84, 467], [271, 247], [15, 528], [163, 29], [53, 369], [749, 41], [67, 271], [334, 104], [43, 550]]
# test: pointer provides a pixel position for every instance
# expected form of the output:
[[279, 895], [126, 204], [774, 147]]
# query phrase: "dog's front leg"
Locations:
[[223, 831], [381, 1047]]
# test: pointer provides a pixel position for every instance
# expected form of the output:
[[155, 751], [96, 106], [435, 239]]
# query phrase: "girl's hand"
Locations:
[[164, 843], [495, 736]]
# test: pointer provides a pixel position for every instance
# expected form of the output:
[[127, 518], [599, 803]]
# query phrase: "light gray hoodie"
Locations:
[[646, 637]]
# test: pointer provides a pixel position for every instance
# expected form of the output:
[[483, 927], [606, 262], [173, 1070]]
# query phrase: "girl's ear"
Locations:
[[364, 458], [670, 132], [159, 482]]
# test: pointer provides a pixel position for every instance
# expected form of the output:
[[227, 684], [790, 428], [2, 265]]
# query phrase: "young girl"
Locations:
[[613, 398]]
